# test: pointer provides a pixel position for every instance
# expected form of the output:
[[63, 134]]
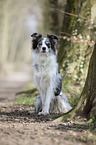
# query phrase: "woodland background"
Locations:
[[73, 21]]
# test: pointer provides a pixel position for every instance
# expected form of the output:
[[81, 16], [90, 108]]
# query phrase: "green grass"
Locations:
[[26, 100], [71, 89]]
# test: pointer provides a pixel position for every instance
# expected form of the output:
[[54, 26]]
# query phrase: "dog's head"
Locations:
[[44, 45]]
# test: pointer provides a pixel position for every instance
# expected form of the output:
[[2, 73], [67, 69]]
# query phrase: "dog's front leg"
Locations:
[[47, 101]]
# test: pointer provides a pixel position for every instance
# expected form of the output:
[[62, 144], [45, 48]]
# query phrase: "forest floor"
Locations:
[[18, 127]]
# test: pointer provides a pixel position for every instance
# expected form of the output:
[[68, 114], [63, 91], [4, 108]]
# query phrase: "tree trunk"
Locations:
[[51, 20], [89, 91], [67, 27], [53, 17], [87, 103], [86, 107]]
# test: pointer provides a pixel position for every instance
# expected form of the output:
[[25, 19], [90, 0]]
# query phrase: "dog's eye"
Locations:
[[40, 44], [48, 44]]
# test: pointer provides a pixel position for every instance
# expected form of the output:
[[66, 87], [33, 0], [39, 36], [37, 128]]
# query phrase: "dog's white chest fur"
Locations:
[[45, 69]]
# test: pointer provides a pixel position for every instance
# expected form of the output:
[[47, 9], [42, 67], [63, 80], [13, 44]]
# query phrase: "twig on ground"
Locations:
[[27, 92]]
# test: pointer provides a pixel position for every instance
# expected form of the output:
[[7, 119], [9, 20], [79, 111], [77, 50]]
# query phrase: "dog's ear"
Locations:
[[36, 38], [53, 39], [52, 36]]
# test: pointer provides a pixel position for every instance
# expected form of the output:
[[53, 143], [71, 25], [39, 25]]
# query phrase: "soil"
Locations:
[[18, 127]]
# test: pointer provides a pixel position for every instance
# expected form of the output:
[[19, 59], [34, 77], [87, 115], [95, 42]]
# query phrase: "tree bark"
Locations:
[[51, 20], [67, 27], [86, 107], [90, 88]]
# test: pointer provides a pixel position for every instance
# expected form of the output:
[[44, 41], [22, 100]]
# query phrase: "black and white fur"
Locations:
[[47, 77]]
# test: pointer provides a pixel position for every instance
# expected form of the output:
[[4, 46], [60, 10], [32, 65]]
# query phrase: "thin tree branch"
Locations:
[[70, 14]]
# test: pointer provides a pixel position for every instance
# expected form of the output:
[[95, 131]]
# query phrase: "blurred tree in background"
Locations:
[[52, 19], [18, 19]]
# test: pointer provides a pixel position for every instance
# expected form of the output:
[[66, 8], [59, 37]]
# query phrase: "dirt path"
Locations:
[[11, 84], [18, 127]]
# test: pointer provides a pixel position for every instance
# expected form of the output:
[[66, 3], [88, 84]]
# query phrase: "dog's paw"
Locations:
[[31, 112], [43, 113]]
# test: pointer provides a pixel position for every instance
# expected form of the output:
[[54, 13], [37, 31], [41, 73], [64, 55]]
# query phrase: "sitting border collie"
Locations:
[[47, 77]]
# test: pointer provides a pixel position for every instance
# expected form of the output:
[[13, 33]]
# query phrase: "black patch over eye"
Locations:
[[36, 37], [40, 43], [48, 44]]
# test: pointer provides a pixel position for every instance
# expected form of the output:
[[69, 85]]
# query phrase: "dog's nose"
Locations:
[[44, 48]]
